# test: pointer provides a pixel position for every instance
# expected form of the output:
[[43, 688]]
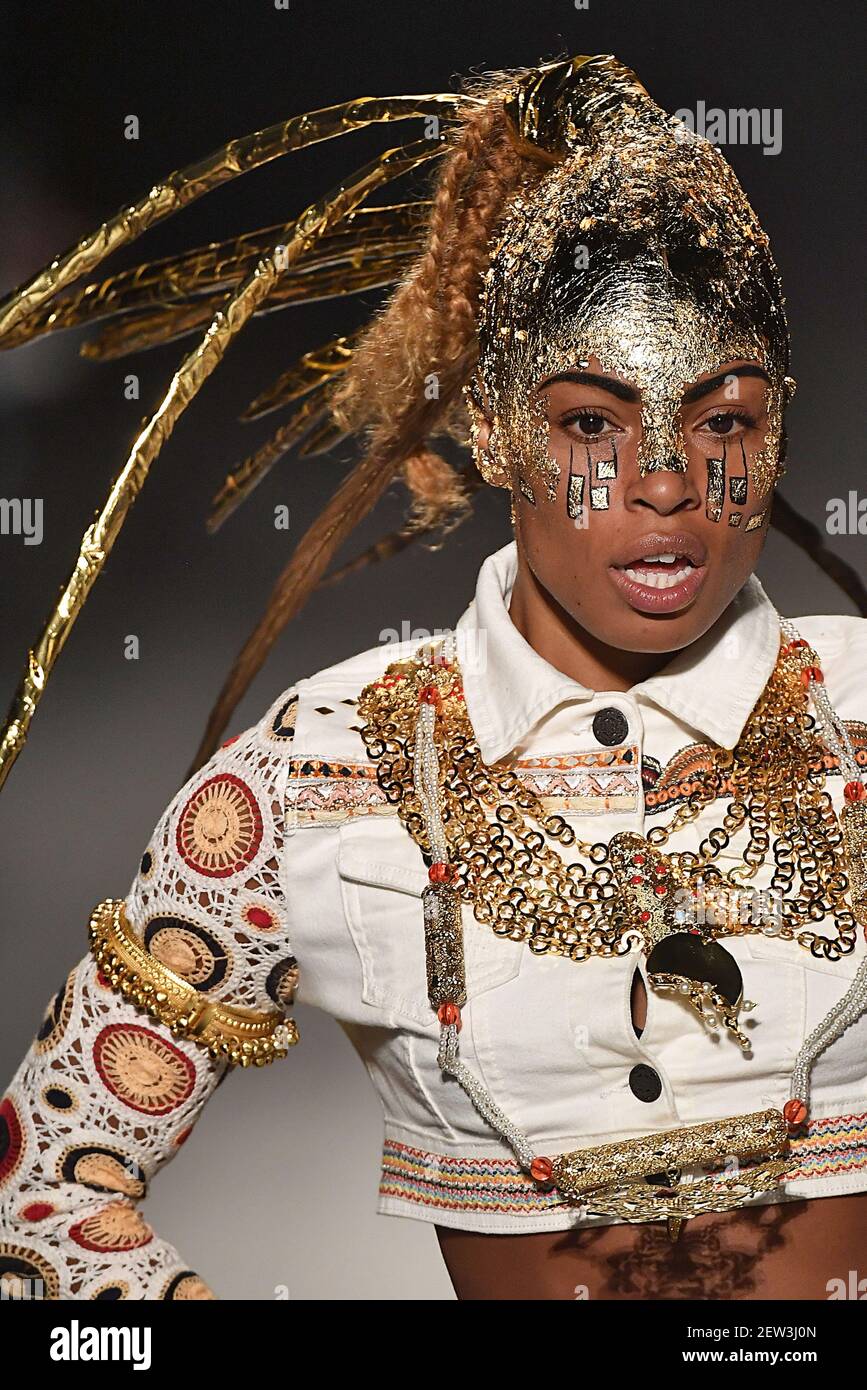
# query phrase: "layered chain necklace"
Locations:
[[490, 842]]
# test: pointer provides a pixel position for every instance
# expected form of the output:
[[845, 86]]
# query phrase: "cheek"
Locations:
[[591, 476], [572, 531], [728, 474]]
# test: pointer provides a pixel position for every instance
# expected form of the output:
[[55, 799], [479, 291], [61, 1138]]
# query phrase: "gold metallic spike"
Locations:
[[324, 436], [185, 186], [160, 325], [195, 369], [675, 1226], [383, 231], [363, 256], [311, 370], [243, 479], [153, 328]]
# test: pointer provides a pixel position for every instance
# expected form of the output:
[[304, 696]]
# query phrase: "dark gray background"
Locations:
[[277, 1187]]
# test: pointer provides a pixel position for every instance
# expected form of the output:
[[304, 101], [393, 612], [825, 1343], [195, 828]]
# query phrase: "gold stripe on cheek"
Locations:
[[575, 495], [607, 468], [716, 482]]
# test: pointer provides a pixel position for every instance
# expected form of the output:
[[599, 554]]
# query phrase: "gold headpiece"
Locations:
[[639, 248]]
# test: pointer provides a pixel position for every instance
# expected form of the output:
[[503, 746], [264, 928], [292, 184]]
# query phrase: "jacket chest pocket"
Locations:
[[767, 944], [382, 877], [794, 987]]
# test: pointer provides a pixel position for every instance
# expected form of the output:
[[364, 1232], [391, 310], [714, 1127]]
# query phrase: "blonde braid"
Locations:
[[425, 336]]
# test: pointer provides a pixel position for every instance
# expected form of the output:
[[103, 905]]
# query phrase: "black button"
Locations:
[[644, 1083], [610, 726]]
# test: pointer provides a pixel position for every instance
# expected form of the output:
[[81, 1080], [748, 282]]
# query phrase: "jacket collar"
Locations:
[[711, 685]]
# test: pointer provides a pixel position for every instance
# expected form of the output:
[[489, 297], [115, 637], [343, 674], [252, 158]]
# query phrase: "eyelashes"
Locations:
[[738, 414], [584, 416], [595, 424]]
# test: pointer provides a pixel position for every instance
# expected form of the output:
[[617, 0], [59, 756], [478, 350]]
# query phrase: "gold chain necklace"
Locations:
[[502, 861]]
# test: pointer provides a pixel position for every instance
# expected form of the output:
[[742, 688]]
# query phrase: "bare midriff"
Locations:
[[811, 1249]]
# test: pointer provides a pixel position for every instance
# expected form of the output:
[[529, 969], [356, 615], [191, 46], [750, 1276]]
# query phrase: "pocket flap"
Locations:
[[354, 863], [383, 876]]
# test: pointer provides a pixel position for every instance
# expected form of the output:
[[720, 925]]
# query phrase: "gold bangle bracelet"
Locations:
[[240, 1037]]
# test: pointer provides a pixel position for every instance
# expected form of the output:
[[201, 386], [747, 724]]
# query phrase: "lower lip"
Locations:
[[644, 598]]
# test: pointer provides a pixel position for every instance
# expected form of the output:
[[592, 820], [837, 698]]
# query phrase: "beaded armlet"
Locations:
[[240, 1037]]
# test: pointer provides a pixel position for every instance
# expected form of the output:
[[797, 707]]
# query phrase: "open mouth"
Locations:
[[660, 571], [662, 574]]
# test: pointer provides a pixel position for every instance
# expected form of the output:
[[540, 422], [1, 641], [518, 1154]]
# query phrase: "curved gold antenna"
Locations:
[[158, 301], [185, 186], [295, 237]]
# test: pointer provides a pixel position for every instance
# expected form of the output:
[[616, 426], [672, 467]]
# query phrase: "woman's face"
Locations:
[[646, 561]]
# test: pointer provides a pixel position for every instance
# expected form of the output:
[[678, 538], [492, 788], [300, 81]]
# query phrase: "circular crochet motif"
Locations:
[[220, 827], [110, 1293], [283, 981], [141, 1069], [25, 1274], [116, 1227], [11, 1140], [103, 1169], [185, 1287], [37, 1211], [188, 950], [56, 1098], [259, 916], [56, 1018]]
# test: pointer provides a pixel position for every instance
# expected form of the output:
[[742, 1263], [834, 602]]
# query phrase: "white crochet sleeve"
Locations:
[[106, 1095]]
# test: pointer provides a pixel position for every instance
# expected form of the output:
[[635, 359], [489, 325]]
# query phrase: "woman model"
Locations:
[[584, 880]]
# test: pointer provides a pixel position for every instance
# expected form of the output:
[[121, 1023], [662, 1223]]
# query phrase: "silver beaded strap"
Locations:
[[426, 770], [847, 1010], [835, 735], [844, 1013], [484, 1102]]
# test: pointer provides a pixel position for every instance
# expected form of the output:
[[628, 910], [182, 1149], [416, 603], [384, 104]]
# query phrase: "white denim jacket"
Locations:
[[283, 852]]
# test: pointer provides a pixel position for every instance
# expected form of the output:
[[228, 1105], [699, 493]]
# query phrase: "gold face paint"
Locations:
[[640, 250]]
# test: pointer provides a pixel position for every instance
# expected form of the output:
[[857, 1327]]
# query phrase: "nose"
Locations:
[[664, 490]]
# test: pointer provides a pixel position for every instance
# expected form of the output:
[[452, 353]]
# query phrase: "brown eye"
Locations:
[[721, 424], [589, 423]]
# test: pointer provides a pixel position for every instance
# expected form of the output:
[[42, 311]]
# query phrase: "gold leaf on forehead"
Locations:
[[677, 278]]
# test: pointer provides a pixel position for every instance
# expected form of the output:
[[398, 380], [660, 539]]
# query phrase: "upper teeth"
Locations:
[[668, 558], [666, 579]]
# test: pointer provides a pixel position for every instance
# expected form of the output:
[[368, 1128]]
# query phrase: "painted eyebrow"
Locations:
[[630, 395], [704, 388], [604, 383]]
